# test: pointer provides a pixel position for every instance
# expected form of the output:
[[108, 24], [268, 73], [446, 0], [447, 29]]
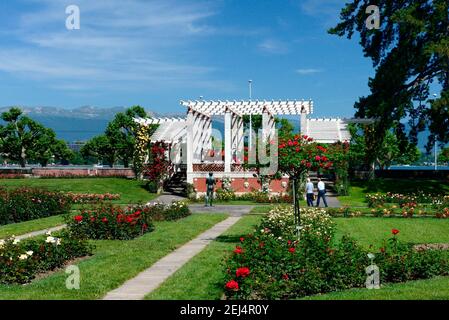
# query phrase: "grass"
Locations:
[[29, 226], [115, 261], [131, 191], [431, 289], [373, 231], [201, 277], [358, 189]]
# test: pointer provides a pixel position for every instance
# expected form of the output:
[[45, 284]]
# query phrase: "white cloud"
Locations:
[[273, 46], [121, 43], [308, 71]]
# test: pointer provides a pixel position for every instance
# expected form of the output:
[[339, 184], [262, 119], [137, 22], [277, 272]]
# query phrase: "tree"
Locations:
[[297, 154], [23, 139], [121, 132], [100, 148], [119, 140], [410, 52], [386, 153], [444, 155]]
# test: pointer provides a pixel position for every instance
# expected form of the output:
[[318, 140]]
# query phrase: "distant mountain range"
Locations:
[[83, 123], [78, 124]]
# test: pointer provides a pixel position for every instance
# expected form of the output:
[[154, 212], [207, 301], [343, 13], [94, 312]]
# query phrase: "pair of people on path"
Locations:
[[310, 193]]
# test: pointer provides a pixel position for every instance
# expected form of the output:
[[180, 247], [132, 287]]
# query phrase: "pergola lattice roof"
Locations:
[[170, 130], [249, 107]]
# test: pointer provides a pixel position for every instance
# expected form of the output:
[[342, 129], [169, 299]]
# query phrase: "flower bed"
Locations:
[[375, 199], [92, 197], [256, 196], [271, 264], [113, 222], [24, 204], [406, 210], [20, 262]]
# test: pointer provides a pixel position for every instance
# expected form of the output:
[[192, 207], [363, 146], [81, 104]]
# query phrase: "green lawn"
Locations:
[[201, 277], [369, 230], [115, 261], [432, 289], [131, 191], [29, 226], [358, 189]]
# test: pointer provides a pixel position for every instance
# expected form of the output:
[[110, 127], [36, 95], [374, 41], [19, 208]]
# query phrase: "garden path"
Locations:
[[151, 278], [39, 232]]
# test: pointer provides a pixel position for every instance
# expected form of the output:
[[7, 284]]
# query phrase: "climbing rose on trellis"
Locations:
[[159, 166]]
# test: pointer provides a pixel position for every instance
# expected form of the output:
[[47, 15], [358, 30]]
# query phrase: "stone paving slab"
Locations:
[[151, 278], [232, 210]]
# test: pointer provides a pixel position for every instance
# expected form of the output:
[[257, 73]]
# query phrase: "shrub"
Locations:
[[280, 222], [272, 264], [20, 261], [25, 204], [109, 222], [113, 222]]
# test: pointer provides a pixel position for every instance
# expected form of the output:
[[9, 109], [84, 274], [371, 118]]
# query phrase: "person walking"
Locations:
[[210, 184], [321, 193], [309, 193]]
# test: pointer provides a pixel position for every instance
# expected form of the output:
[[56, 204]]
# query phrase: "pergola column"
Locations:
[[189, 142], [228, 140], [268, 125]]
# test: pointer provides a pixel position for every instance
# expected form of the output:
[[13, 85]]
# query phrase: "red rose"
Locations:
[[145, 227], [242, 239], [92, 219], [291, 250], [238, 250], [129, 219], [104, 219], [242, 272], [232, 285], [289, 242], [317, 158], [78, 218], [285, 276], [395, 231]]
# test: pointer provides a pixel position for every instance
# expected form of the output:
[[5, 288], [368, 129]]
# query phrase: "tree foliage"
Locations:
[[22, 139], [386, 153], [410, 52], [119, 140]]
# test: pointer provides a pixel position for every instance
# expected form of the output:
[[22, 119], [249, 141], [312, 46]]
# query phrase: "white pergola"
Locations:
[[199, 125], [195, 131]]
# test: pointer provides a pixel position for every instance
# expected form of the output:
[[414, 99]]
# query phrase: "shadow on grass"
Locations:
[[403, 186]]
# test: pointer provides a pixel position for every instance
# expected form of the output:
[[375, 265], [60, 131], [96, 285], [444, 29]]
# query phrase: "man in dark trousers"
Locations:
[[321, 193], [210, 184]]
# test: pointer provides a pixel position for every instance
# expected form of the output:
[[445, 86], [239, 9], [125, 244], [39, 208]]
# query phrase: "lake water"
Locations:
[[418, 168]]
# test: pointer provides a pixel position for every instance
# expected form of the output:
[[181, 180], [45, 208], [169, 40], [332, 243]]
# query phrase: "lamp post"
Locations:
[[250, 117], [436, 156]]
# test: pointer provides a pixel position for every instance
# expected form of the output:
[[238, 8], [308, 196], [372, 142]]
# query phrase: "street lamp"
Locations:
[[250, 117]]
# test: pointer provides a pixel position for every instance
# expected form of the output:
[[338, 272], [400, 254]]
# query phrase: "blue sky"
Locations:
[[155, 53]]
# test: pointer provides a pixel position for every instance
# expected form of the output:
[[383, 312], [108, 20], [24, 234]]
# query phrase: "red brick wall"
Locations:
[[238, 185]]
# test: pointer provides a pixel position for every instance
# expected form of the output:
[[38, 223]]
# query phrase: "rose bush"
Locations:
[[114, 222], [23, 204], [21, 261], [272, 264]]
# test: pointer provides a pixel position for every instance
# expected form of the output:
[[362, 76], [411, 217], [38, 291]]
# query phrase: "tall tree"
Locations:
[[101, 149], [22, 139], [410, 51], [121, 132]]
